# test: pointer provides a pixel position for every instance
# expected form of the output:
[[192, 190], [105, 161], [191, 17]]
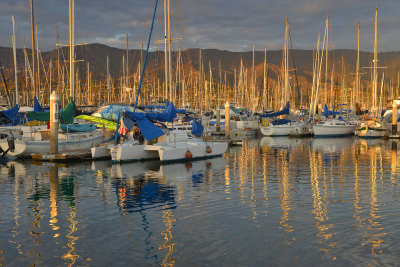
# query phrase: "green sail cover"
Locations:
[[66, 116]]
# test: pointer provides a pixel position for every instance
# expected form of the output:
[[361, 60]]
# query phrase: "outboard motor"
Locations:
[[11, 144]]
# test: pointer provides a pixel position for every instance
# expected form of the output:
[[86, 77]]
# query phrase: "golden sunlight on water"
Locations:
[[168, 245], [2, 258], [319, 201]]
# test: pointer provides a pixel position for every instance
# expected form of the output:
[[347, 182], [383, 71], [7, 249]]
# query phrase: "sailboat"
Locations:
[[162, 143], [372, 126], [281, 127], [334, 127]]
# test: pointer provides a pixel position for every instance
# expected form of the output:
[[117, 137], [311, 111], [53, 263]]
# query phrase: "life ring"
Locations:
[[265, 122]]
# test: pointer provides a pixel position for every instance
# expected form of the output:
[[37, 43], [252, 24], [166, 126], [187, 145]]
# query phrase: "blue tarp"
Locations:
[[78, 128], [284, 111], [328, 112], [11, 113], [111, 112], [36, 105], [147, 128], [197, 128]]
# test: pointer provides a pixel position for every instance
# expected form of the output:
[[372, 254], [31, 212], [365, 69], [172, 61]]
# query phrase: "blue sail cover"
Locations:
[[147, 128], [11, 113], [197, 128], [328, 112], [11, 117], [168, 115], [153, 106], [36, 105], [180, 111], [284, 111]]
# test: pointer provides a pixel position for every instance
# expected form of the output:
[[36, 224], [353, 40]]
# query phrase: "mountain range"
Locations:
[[344, 61]]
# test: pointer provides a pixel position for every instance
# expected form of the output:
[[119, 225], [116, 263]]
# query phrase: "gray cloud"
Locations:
[[224, 24]]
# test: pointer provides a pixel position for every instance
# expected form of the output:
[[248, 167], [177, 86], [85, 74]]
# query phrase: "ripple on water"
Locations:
[[271, 202]]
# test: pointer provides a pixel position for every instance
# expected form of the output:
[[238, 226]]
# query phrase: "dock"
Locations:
[[84, 154]]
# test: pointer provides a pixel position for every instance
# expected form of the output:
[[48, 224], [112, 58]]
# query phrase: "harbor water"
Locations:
[[270, 202]]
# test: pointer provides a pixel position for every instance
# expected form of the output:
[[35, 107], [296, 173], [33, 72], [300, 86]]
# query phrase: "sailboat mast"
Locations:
[[169, 54], [58, 64], [200, 73], [15, 61], [286, 62], [253, 79], [375, 77], [265, 78], [38, 84], [235, 90], [33, 47], [326, 58], [165, 50], [358, 65], [88, 85], [331, 95], [25, 92], [71, 47], [127, 63], [108, 79]]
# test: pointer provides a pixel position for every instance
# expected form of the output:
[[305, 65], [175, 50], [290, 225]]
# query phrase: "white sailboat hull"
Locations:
[[25, 148], [371, 133], [178, 151], [278, 130], [99, 152], [333, 130], [131, 152]]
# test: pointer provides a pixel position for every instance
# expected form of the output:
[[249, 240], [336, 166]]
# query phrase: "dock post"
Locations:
[[227, 120], [218, 124], [54, 123], [394, 117]]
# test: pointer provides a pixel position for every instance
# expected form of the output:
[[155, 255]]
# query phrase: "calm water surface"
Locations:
[[312, 202]]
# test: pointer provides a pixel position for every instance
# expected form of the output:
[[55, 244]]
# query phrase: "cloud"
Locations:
[[224, 24]]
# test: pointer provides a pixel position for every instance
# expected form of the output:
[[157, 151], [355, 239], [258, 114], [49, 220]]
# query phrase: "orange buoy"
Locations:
[[208, 149], [188, 154]]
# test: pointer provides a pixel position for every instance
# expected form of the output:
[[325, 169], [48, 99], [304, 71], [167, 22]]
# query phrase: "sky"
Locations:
[[221, 24]]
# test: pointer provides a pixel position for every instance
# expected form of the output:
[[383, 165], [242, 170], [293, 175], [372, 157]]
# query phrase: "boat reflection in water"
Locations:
[[138, 189], [38, 197], [148, 187]]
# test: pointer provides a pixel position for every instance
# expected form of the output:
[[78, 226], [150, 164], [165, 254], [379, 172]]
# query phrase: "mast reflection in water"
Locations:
[[274, 201]]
